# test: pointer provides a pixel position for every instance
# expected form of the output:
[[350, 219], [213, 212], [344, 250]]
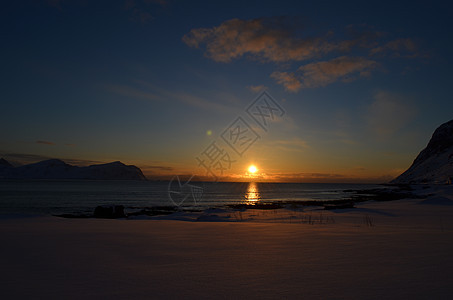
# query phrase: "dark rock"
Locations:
[[441, 140], [109, 212], [339, 206], [74, 216], [154, 211]]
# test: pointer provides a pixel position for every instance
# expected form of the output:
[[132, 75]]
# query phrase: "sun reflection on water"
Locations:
[[252, 194]]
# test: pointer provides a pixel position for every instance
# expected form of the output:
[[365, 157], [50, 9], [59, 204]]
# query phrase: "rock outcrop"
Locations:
[[434, 164]]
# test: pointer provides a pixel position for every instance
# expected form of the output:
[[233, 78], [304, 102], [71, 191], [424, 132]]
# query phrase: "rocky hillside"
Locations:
[[434, 165]]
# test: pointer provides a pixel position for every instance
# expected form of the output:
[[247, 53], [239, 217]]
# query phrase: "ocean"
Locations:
[[52, 197]]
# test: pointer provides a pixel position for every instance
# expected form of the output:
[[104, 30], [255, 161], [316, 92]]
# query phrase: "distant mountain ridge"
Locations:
[[5, 163], [58, 169], [434, 164]]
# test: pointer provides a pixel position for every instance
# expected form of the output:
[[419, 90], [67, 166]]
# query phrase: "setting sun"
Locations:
[[252, 169]]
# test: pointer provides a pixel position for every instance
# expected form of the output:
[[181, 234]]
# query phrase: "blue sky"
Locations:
[[363, 83]]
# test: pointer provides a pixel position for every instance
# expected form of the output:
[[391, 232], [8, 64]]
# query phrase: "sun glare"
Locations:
[[252, 169]]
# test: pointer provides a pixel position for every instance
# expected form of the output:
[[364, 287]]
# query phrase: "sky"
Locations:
[[350, 91]]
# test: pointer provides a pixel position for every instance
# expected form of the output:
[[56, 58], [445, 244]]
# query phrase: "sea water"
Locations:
[[82, 196]]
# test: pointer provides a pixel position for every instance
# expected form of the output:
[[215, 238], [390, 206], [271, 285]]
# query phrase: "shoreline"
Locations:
[[402, 251], [381, 249], [397, 192]]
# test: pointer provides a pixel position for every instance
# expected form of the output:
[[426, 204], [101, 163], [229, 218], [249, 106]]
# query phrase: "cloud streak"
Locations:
[[269, 39], [148, 92], [320, 74], [288, 79], [397, 48], [257, 88], [45, 143], [295, 144], [283, 40]]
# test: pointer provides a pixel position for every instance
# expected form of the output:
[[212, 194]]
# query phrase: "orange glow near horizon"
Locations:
[[252, 169]]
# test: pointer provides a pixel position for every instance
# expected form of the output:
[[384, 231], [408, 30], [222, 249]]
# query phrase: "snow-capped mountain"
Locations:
[[434, 165], [5, 163], [58, 169]]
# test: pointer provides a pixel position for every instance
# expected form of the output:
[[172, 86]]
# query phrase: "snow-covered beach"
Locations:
[[394, 250]]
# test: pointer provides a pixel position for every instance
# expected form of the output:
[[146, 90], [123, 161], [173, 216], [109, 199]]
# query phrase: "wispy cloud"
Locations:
[[398, 48], [133, 92], [156, 170], [281, 40], [307, 177], [257, 88], [311, 175], [294, 144], [48, 143], [45, 143], [200, 102], [341, 68], [270, 39], [320, 74], [164, 168], [81, 162], [150, 92], [288, 79], [329, 177]]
